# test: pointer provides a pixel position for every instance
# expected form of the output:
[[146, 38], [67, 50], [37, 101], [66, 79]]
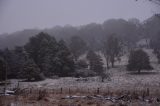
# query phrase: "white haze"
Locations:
[[26, 14]]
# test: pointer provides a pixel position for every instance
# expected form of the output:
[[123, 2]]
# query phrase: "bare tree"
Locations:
[[157, 2], [111, 49]]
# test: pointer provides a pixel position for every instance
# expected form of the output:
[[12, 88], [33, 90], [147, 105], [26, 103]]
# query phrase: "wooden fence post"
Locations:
[[148, 93], [61, 90], [98, 90], [69, 91]]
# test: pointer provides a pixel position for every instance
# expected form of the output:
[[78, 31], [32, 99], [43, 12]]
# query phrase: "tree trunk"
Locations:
[[102, 79], [107, 61], [107, 64], [112, 64], [5, 78], [139, 71], [112, 61]]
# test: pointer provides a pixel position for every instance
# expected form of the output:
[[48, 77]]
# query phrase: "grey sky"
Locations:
[[23, 14]]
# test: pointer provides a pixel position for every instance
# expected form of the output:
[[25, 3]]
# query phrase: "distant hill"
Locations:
[[21, 37], [130, 31], [17, 39]]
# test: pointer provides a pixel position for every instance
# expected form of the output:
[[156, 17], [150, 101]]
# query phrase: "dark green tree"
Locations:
[[65, 63], [9, 57], [43, 48], [77, 46], [81, 64], [20, 57], [52, 57], [95, 62], [14, 60], [2, 69], [25, 66], [158, 57], [31, 71], [138, 60]]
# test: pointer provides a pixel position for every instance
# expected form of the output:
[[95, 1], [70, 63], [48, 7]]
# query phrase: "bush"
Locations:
[[82, 64], [138, 60], [84, 73]]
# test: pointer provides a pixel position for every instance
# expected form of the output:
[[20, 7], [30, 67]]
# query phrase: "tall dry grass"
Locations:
[[55, 97]]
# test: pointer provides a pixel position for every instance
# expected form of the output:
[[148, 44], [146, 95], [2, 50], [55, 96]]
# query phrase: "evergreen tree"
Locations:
[[12, 63], [43, 48], [95, 62], [31, 71], [20, 57], [158, 57], [138, 60], [77, 46], [2, 69], [81, 64], [52, 57], [65, 60]]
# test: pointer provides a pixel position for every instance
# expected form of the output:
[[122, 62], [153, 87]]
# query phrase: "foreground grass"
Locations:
[[81, 97]]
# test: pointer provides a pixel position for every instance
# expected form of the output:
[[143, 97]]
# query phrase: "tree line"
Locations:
[[130, 31], [44, 56], [41, 56]]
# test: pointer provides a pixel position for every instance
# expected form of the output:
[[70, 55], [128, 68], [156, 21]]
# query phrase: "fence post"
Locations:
[[98, 90], [61, 90], [69, 91], [147, 92]]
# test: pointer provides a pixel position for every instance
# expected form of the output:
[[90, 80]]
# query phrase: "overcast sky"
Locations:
[[17, 15]]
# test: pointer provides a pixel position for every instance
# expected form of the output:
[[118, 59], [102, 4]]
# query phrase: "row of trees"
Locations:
[[51, 56], [44, 56], [112, 50], [129, 30], [41, 56]]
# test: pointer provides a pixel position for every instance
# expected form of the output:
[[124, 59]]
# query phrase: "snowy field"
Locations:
[[84, 90], [119, 79]]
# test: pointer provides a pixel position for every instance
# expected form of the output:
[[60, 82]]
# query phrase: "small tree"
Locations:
[[2, 69], [111, 49], [138, 60], [64, 63], [31, 71], [82, 64], [158, 57], [77, 46], [95, 62]]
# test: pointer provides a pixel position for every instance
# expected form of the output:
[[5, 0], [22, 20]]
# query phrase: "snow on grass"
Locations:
[[120, 78]]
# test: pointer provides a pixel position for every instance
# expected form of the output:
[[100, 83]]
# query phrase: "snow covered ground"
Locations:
[[120, 79]]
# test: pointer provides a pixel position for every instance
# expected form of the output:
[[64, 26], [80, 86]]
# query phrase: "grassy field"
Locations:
[[123, 89], [82, 97]]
